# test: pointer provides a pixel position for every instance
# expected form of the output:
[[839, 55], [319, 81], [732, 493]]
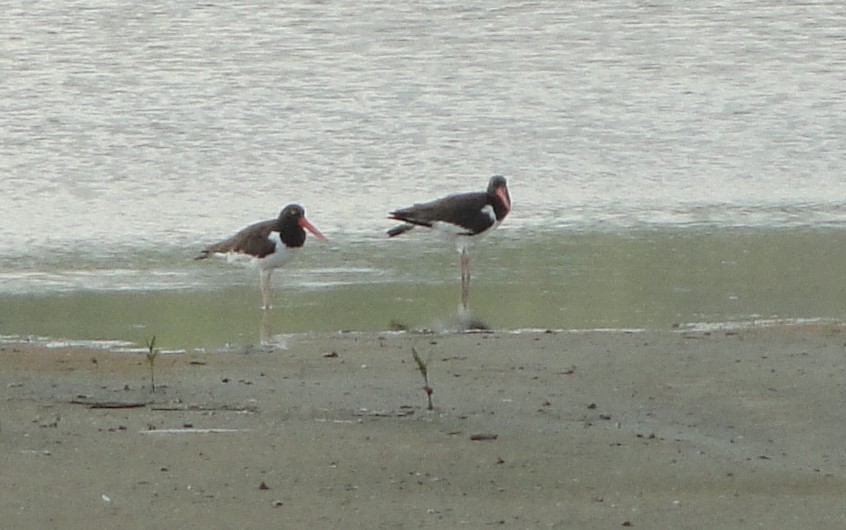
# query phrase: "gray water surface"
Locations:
[[131, 135]]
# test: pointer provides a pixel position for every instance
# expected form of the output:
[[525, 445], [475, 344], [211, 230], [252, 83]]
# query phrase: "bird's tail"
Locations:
[[400, 229]]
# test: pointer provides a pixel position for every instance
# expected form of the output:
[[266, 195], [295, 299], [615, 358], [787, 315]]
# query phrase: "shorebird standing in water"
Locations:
[[462, 216], [267, 244]]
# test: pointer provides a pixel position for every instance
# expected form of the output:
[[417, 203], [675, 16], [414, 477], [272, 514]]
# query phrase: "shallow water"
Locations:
[[645, 280], [668, 163]]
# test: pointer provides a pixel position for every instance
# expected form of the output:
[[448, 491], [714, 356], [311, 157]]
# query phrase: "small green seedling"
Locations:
[[424, 371], [152, 353]]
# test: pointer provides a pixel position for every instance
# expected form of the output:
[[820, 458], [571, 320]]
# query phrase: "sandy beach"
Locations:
[[676, 429]]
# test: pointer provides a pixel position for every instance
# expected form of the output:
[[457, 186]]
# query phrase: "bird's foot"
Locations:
[[472, 324]]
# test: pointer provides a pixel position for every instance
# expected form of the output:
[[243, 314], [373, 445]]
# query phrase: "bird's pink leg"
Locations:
[[265, 289], [264, 331], [464, 260]]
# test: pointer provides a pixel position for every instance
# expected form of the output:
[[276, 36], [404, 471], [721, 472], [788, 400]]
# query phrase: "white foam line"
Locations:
[[753, 324], [192, 431], [575, 330], [50, 343], [146, 350]]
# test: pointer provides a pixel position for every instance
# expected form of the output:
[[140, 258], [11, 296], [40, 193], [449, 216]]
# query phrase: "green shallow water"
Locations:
[[654, 279]]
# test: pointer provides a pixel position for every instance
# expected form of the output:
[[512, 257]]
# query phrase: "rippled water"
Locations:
[[131, 134]]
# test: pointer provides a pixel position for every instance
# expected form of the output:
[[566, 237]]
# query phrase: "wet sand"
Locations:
[[728, 429]]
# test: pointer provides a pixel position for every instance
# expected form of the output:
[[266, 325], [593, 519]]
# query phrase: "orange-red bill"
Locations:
[[504, 196], [310, 227]]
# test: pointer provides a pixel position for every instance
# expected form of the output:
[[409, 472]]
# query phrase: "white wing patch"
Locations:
[[236, 258], [448, 228], [279, 258], [489, 211]]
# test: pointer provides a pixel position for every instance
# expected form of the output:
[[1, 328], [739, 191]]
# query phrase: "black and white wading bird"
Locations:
[[267, 245], [461, 216]]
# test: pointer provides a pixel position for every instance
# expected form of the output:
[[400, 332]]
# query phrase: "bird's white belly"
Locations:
[[458, 234], [279, 258]]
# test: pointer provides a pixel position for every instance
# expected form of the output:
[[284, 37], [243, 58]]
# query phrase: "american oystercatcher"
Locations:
[[267, 244], [462, 216]]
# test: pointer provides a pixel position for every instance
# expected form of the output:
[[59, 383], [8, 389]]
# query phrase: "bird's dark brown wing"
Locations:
[[463, 210], [252, 240]]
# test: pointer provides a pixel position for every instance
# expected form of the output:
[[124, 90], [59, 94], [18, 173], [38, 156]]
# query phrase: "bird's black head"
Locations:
[[501, 200], [291, 223], [292, 212]]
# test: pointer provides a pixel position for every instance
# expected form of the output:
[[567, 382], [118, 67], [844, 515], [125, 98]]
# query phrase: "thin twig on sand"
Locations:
[[424, 371]]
